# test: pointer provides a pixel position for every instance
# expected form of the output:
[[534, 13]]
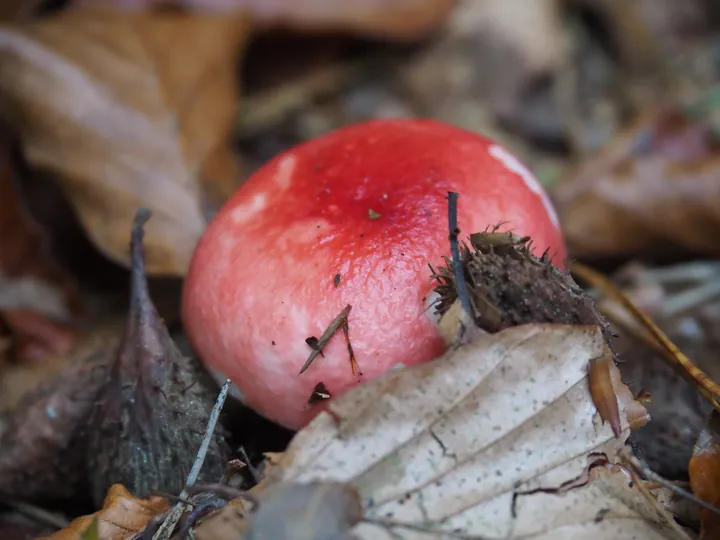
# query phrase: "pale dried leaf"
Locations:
[[126, 108], [449, 444]]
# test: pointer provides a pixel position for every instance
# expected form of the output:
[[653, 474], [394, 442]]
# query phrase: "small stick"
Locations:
[[653, 476], [37, 514], [325, 338], [165, 530], [460, 284], [253, 471], [353, 362], [227, 493]]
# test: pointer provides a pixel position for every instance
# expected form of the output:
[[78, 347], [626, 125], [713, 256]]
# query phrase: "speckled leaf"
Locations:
[[496, 438]]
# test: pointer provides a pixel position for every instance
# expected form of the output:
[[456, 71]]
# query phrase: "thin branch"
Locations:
[[460, 285], [37, 514], [645, 471], [327, 335], [165, 530]]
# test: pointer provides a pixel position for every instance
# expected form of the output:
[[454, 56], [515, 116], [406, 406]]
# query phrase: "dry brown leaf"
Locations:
[[394, 19], [652, 191], [127, 108], [704, 471], [121, 517], [493, 439]]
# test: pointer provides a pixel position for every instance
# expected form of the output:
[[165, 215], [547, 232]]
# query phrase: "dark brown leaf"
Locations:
[[151, 414], [45, 410]]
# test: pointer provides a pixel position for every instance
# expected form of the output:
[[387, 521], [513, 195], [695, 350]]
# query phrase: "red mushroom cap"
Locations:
[[367, 202]]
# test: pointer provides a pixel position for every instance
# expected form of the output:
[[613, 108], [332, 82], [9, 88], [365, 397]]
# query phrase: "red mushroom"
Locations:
[[351, 218]]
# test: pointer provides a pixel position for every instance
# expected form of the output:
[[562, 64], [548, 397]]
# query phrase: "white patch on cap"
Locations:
[[512, 163], [430, 301], [245, 212], [285, 171]]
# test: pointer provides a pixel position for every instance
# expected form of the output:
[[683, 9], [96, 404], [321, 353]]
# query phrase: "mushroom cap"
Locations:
[[367, 202]]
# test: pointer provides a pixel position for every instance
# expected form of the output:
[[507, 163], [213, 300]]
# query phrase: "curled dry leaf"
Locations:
[[121, 517], [45, 410], [652, 191], [394, 19], [704, 471], [481, 440], [141, 106]]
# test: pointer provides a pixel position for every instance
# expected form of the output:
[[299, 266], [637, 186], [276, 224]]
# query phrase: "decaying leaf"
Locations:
[[121, 517], [704, 471], [479, 441], [396, 19], [652, 191], [150, 415], [45, 410], [139, 103]]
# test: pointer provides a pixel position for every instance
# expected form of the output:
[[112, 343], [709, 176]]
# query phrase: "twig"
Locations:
[[165, 530], [645, 471], [271, 106], [327, 335], [460, 284], [675, 357], [253, 470], [227, 493], [687, 300], [37, 514]]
